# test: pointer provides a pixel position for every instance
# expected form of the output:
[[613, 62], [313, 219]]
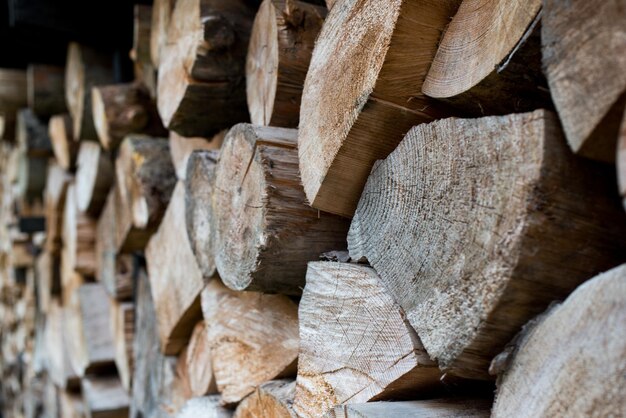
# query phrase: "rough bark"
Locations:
[[197, 363], [244, 355], [432, 408], [145, 179], [85, 68], [63, 145], [34, 149], [368, 352], [13, 96], [583, 54], [123, 109], [113, 270], [104, 397], [206, 406], [489, 59], [357, 102], [161, 13], [94, 177], [153, 375], [123, 334], [570, 361], [45, 86], [281, 45], [182, 147], [273, 399], [79, 238], [265, 232], [175, 278], [199, 185], [141, 34], [201, 86], [476, 225]]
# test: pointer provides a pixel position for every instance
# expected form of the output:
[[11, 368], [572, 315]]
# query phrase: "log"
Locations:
[[123, 333], [489, 59], [113, 270], [182, 147], [85, 68], [94, 177], [432, 408], [161, 13], [583, 44], [330, 4], [199, 187], [201, 87], [197, 363], [79, 238], [281, 45], [347, 358], [357, 104], [45, 86], [123, 109], [243, 354], [142, 23], [59, 366], [175, 278], [153, 375], [13, 96], [34, 149], [270, 400], [477, 261], [71, 405], [145, 179], [206, 406], [94, 351], [265, 230], [105, 397], [55, 194], [45, 272], [570, 361], [63, 145]]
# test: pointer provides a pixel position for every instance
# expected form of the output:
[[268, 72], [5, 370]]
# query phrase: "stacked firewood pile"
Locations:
[[304, 209]]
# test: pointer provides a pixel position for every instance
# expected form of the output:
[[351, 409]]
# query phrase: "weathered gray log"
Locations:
[[358, 102], [34, 149], [281, 45], [265, 232], [244, 354], [569, 361], [104, 397], [476, 225], [583, 44], [366, 353], [206, 406]]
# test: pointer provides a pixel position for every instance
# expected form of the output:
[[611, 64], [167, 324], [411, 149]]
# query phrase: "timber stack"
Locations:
[[304, 209]]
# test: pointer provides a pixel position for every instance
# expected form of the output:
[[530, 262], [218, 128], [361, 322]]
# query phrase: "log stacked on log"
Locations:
[[201, 270]]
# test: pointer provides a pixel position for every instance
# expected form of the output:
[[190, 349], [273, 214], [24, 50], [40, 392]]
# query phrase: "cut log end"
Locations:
[[94, 177], [63, 144], [273, 399]]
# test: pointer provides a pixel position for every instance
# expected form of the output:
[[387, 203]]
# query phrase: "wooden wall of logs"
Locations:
[[299, 208]]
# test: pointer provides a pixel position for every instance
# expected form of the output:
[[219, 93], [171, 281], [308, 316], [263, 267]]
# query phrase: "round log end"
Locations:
[[60, 131], [100, 117]]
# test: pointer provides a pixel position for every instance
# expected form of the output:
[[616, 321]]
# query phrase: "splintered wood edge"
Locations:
[[465, 57], [343, 71], [262, 65]]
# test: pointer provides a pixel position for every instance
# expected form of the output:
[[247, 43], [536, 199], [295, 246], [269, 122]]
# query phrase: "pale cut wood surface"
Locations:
[[583, 56], [63, 145], [206, 407], [476, 225], [201, 84], [123, 109], [84, 68], [199, 217], [364, 351], [57, 183], [253, 338], [273, 399], [79, 235], [265, 232], [571, 362], [182, 147], [175, 278], [358, 102], [94, 177], [435, 408], [45, 86], [71, 405], [489, 59], [122, 320], [59, 367], [104, 397], [197, 362], [161, 13], [281, 45]]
